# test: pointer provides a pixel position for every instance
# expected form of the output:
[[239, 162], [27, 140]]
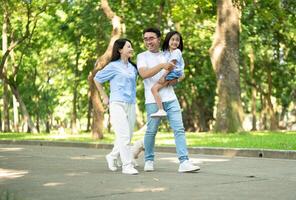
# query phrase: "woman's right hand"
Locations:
[[105, 100]]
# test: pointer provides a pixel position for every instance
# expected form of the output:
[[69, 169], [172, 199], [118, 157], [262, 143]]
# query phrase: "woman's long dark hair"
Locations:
[[119, 44], [165, 45]]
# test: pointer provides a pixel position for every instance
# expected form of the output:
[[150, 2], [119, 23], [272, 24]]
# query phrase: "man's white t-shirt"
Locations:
[[149, 60]]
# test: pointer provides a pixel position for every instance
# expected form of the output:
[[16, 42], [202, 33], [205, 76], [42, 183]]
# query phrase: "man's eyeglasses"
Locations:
[[148, 39]]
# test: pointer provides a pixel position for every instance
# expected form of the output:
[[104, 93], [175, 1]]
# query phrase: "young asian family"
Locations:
[[161, 67]]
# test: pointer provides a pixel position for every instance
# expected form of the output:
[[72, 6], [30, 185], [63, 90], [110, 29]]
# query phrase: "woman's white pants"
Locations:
[[122, 118]]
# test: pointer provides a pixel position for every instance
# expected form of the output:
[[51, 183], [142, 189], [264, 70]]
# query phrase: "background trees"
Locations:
[[50, 47]]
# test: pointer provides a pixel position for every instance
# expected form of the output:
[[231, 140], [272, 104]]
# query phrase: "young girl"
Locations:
[[122, 74], [172, 48]]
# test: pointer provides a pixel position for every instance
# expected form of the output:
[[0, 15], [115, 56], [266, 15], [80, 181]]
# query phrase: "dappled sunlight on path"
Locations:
[[11, 174], [10, 149]]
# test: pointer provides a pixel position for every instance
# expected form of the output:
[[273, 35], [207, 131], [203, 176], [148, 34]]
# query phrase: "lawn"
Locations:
[[257, 140]]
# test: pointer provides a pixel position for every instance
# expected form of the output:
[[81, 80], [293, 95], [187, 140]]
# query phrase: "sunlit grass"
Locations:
[[258, 140]]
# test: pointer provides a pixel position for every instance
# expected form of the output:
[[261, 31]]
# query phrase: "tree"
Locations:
[[16, 42], [225, 60], [98, 110]]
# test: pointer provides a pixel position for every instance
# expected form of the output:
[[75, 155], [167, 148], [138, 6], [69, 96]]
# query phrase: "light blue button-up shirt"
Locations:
[[122, 79]]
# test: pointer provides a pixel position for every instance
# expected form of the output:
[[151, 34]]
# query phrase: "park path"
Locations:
[[30, 172]]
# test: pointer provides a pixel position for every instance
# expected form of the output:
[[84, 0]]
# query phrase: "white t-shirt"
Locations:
[[150, 60]]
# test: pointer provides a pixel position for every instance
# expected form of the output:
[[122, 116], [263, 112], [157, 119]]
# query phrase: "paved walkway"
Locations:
[[66, 173]]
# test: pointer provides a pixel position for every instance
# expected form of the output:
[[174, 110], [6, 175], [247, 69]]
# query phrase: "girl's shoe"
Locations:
[[159, 113]]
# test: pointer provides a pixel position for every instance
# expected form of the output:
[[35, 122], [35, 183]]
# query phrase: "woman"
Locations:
[[122, 74]]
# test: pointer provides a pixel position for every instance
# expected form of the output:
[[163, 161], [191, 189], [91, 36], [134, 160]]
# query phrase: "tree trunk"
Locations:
[[26, 116], [225, 60], [5, 88], [14, 100], [160, 13], [38, 122], [75, 93], [47, 125], [6, 108], [203, 123], [15, 115], [0, 120], [270, 111], [98, 110], [254, 91], [89, 112], [263, 125]]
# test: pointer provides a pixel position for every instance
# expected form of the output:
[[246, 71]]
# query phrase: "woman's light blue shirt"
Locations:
[[122, 79]]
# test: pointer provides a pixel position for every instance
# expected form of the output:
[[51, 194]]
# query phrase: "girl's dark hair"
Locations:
[[153, 30], [165, 45], [119, 44]]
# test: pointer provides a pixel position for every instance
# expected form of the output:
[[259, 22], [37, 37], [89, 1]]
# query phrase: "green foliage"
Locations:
[[264, 28], [257, 140], [70, 35]]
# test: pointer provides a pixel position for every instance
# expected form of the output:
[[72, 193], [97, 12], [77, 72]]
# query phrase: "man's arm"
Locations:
[[149, 72]]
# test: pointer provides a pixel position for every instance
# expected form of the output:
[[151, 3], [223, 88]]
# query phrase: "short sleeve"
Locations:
[[106, 74], [176, 55], [141, 61]]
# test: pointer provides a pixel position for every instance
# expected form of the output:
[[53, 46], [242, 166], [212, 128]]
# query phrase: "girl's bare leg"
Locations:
[[155, 91]]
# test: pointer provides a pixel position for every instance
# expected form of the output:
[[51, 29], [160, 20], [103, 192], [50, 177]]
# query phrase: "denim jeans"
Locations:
[[174, 117]]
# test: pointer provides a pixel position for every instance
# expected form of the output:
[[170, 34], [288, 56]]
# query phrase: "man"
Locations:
[[150, 66]]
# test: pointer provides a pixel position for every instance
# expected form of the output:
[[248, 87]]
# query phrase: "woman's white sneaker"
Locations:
[[187, 166], [111, 163], [129, 169]]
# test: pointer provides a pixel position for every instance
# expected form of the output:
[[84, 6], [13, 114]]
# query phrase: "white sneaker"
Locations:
[[129, 169], [111, 162], [137, 148], [187, 166], [159, 113], [149, 166]]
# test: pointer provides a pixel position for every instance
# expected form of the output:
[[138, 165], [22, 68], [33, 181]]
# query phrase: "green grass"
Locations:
[[258, 140]]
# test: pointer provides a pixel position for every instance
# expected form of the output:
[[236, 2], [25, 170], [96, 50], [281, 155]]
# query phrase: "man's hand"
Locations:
[[169, 66]]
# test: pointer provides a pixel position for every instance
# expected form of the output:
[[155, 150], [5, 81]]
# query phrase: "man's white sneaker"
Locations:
[[187, 166], [149, 166], [159, 113], [129, 169], [111, 163]]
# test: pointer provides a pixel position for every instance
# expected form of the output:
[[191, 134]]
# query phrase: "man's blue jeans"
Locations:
[[174, 116]]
